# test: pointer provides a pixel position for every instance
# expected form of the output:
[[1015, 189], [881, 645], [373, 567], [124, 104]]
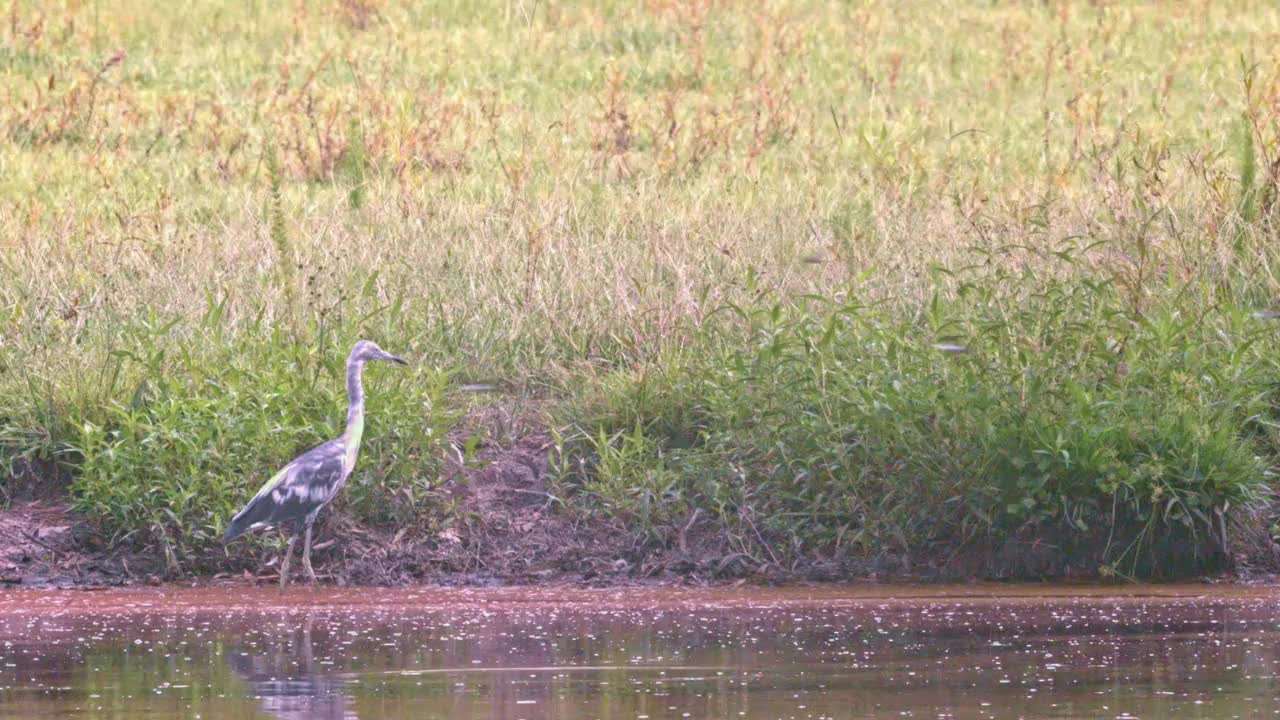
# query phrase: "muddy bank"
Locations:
[[43, 544], [508, 527]]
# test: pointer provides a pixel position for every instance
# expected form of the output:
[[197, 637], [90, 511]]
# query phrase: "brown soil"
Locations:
[[511, 529], [43, 543]]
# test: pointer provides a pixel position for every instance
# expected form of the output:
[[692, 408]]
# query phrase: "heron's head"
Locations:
[[367, 350]]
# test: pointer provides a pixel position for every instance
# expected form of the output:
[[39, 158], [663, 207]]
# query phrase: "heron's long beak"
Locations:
[[392, 358]]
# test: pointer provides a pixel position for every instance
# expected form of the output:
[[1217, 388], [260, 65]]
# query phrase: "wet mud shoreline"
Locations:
[[44, 545]]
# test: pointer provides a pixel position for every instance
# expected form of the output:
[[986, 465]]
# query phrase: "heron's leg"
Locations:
[[306, 551], [284, 566]]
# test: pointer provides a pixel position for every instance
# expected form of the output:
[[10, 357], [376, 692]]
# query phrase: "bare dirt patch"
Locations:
[[43, 543], [510, 526], [507, 525]]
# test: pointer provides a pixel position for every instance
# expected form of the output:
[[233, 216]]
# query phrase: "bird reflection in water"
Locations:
[[285, 681]]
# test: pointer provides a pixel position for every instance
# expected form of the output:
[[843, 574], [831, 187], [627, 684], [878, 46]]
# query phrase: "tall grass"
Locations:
[[723, 239], [1123, 441]]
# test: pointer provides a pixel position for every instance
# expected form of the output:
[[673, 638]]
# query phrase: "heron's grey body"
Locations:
[[303, 487]]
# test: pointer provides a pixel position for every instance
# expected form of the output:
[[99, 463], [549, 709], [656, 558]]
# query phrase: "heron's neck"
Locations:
[[355, 411]]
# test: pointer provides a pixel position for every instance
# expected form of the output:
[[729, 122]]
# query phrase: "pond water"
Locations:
[[830, 652]]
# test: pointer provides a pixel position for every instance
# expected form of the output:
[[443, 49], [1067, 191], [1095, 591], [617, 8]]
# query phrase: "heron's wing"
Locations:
[[300, 488]]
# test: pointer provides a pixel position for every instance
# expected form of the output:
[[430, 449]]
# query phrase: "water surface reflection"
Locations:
[[755, 655], [287, 682]]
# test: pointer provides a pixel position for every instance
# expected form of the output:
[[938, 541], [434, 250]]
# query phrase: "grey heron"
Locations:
[[301, 489]]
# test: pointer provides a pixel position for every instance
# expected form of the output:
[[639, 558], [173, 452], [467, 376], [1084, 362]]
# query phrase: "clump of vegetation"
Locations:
[[205, 427], [1117, 439], [721, 241]]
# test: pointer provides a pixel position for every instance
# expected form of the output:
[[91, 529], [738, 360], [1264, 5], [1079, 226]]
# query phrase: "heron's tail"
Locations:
[[256, 512]]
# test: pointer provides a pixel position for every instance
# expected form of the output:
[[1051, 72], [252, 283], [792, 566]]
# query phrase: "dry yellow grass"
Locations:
[[605, 164]]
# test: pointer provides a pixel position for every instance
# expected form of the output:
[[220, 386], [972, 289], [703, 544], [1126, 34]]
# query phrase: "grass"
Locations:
[[722, 239], [837, 426], [158, 464]]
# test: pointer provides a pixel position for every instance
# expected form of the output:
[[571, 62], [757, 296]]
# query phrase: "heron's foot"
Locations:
[[284, 566]]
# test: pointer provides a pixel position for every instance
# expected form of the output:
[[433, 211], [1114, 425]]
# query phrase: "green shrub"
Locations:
[[1121, 438], [211, 423]]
